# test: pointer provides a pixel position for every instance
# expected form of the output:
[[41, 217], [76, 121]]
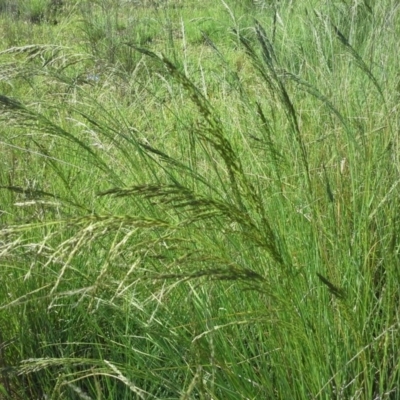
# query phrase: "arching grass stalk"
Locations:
[[244, 194], [266, 66]]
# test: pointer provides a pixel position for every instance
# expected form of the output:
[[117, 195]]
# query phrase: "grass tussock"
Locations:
[[199, 204]]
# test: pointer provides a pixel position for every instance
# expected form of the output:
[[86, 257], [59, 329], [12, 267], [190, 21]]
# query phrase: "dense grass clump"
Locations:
[[199, 200]]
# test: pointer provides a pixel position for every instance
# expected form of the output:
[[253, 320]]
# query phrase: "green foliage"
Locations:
[[200, 200], [34, 11]]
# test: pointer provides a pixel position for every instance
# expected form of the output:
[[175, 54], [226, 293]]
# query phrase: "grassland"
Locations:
[[199, 200]]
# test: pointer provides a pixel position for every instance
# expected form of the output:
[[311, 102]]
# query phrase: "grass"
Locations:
[[199, 200]]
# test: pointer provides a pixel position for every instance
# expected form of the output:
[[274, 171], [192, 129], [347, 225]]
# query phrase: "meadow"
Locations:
[[199, 199]]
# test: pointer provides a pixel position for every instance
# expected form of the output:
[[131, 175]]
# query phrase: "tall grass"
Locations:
[[202, 213]]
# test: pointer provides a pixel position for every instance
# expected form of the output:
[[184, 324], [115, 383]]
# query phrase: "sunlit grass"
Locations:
[[200, 201]]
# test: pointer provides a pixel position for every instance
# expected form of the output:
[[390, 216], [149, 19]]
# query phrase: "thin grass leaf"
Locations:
[[212, 132], [201, 207], [32, 119], [318, 95], [179, 166], [276, 87], [359, 61]]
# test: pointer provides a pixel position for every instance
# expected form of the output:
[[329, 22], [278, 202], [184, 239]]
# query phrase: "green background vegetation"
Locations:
[[199, 199]]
